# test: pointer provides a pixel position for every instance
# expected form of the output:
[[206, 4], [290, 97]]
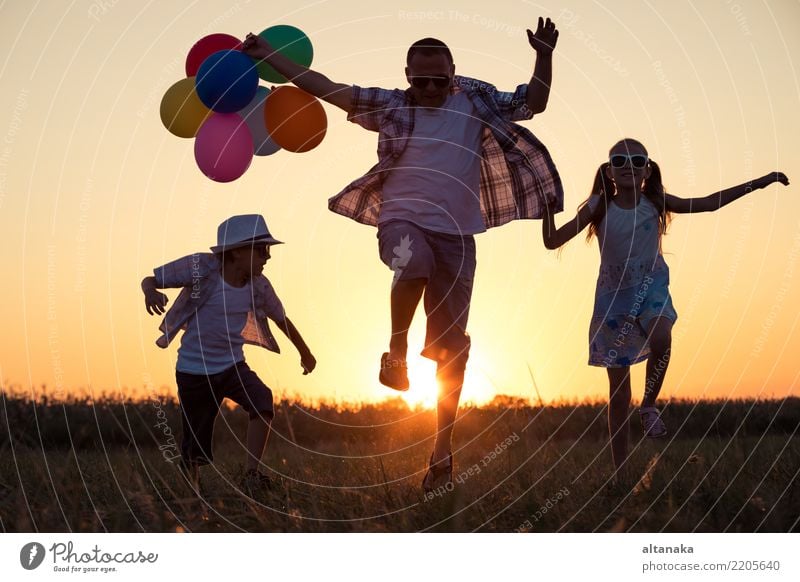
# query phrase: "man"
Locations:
[[451, 164]]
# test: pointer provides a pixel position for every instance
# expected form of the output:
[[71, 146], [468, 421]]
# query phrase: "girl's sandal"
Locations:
[[652, 424], [437, 477]]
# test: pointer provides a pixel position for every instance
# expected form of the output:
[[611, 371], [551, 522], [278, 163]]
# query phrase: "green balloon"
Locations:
[[292, 43]]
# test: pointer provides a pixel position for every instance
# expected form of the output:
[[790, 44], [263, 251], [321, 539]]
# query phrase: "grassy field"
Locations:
[[105, 466]]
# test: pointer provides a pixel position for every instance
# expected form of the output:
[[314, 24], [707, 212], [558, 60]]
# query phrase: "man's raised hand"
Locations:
[[546, 37]]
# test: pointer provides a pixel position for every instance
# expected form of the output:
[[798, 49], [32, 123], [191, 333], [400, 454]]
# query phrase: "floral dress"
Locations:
[[632, 286]]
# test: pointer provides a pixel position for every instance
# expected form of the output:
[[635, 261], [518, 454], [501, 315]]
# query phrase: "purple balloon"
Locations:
[[224, 147], [253, 114]]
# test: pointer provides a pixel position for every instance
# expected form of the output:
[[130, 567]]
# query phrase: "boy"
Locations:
[[224, 303]]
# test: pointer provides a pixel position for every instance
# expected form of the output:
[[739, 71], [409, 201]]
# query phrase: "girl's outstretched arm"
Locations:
[[719, 199], [555, 237]]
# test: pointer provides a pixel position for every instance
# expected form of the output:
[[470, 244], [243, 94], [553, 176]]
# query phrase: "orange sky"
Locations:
[[94, 192]]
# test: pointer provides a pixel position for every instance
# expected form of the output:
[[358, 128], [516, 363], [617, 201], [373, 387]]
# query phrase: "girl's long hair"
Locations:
[[653, 189]]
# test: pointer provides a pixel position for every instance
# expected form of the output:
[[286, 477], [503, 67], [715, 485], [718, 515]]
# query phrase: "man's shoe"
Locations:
[[394, 373]]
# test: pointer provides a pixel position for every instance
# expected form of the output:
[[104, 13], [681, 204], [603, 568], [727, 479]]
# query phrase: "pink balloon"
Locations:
[[224, 147], [207, 46]]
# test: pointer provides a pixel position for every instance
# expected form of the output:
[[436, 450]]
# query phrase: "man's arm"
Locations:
[[307, 360], [543, 42], [309, 81], [719, 199]]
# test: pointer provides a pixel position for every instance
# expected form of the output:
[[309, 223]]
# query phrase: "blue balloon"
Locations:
[[226, 81]]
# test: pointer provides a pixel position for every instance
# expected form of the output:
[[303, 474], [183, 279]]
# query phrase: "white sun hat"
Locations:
[[241, 231]]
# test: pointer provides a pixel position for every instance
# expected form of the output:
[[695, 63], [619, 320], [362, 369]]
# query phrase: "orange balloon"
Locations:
[[295, 120]]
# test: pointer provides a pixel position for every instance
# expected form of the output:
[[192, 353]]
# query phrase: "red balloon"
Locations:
[[207, 46]]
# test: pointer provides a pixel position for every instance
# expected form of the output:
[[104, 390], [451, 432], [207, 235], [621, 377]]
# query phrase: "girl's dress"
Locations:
[[632, 287]]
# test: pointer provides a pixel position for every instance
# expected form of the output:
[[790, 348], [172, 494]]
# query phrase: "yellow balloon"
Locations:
[[182, 112]]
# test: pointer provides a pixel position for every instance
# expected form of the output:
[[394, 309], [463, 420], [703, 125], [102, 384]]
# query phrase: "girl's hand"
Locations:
[[779, 177], [546, 37], [155, 301], [771, 178]]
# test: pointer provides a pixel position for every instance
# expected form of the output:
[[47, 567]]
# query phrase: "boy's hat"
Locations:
[[241, 231]]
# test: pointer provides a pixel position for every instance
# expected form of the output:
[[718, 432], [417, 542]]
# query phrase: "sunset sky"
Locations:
[[94, 192]]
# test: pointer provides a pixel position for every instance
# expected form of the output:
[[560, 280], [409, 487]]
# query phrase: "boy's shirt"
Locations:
[[212, 341], [517, 174], [199, 275]]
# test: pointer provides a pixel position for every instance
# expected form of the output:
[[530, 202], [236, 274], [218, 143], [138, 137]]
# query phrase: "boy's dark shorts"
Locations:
[[447, 263], [200, 398]]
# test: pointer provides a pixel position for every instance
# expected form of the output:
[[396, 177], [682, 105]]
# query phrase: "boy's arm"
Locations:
[[719, 199], [307, 359], [543, 42], [555, 237], [309, 81], [154, 301]]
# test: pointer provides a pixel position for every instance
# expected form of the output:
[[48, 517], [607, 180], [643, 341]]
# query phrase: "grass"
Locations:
[[82, 465]]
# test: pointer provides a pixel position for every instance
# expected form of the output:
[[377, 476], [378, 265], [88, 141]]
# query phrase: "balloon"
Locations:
[[295, 120], [182, 112], [253, 114], [207, 46], [292, 43], [224, 147], [226, 81]]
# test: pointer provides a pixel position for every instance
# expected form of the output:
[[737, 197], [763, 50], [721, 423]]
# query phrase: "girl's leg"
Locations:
[[660, 340], [618, 404]]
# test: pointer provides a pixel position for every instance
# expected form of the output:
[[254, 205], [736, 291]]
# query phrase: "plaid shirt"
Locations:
[[198, 275], [517, 172]]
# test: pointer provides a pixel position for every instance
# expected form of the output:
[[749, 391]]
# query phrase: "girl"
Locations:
[[629, 211]]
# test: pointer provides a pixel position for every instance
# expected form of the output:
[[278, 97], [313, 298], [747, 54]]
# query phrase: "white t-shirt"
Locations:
[[213, 339], [435, 183]]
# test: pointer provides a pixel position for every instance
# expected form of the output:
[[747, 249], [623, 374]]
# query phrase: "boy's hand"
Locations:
[[155, 301], [256, 47], [308, 362], [546, 37]]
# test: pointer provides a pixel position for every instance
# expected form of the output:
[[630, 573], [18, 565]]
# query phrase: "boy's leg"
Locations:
[[618, 405], [246, 389], [257, 434], [660, 341], [199, 408]]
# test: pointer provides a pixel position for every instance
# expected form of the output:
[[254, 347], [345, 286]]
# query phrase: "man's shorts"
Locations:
[[447, 263], [200, 397]]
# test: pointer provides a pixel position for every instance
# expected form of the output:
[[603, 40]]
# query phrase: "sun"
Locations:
[[478, 387], [422, 378]]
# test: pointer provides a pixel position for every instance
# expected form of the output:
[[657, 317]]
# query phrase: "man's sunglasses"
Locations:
[[438, 81], [638, 161]]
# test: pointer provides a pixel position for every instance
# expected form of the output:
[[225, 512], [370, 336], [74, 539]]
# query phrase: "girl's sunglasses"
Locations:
[[638, 161], [438, 82]]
